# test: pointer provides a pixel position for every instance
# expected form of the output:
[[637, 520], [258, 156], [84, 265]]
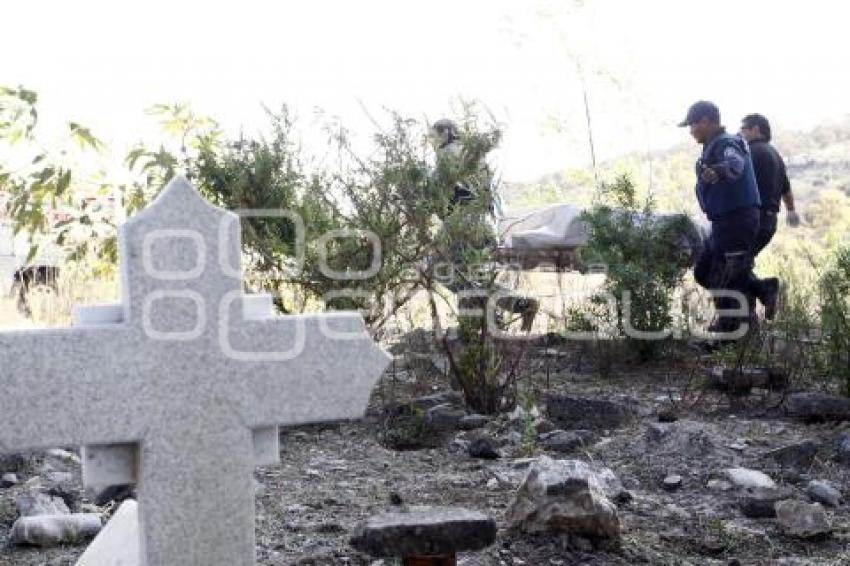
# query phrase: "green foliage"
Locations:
[[835, 317], [41, 182], [643, 266]]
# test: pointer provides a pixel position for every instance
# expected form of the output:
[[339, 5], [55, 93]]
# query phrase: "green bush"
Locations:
[[835, 317], [644, 265]]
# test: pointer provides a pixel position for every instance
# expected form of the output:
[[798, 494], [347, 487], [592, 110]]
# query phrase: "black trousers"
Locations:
[[767, 229], [726, 262]]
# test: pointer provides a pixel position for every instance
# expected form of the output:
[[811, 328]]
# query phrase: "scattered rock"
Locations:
[[798, 455], [406, 428], [564, 441], [819, 407], [842, 448], [51, 530], [441, 398], [519, 414], [542, 426], [112, 493], [740, 381], [567, 496], [424, 531], [518, 463], [587, 413], [668, 414], [719, 485], [683, 438], [14, 462], [472, 422], [672, 482], [8, 480], [657, 431], [801, 519], [35, 503], [513, 437], [759, 503], [492, 484], [823, 492], [746, 478], [483, 447], [445, 417], [59, 460]]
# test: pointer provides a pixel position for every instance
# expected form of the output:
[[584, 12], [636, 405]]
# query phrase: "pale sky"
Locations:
[[103, 63]]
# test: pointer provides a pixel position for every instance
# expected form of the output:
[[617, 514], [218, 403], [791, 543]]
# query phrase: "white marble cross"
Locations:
[[181, 387]]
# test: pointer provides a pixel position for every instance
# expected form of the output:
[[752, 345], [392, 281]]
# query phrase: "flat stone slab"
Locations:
[[424, 531], [819, 407]]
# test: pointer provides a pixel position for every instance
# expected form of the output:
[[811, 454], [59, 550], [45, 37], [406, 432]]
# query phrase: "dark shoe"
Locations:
[[769, 297]]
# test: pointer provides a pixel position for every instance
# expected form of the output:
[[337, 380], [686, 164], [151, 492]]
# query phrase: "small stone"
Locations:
[[676, 512], [440, 398], [492, 484], [672, 482], [51, 530], [657, 431], [514, 437], [668, 415], [759, 503], [719, 485], [37, 503], [14, 462], [798, 455], [111, 493], [8, 480], [842, 448], [565, 441], [483, 447], [803, 520], [472, 422], [62, 460], [519, 463], [746, 478], [444, 417], [542, 426], [738, 446], [824, 492]]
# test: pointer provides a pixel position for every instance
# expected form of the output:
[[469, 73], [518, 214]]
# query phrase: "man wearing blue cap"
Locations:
[[728, 195]]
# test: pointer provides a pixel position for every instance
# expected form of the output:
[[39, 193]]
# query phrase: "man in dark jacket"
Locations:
[[728, 195], [774, 188]]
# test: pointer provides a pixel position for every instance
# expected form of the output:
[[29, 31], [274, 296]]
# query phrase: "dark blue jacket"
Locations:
[[729, 156]]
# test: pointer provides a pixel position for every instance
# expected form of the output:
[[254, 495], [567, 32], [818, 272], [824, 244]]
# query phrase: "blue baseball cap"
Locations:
[[699, 110]]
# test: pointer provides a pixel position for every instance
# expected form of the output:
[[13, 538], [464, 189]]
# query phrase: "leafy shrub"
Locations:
[[835, 317], [644, 263]]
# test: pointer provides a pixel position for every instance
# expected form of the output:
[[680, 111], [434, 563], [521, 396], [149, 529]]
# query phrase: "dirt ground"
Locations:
[[334, 476]]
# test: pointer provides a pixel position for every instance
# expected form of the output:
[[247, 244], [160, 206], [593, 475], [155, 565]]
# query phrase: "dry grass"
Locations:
[[53, 306]]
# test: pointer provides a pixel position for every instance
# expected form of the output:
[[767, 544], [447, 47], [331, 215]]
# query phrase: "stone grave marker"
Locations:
[[180, 388]]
